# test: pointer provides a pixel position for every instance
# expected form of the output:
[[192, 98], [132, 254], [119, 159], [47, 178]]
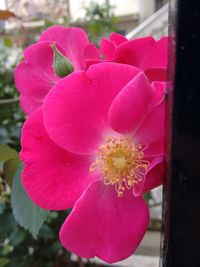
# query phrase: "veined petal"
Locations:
[[153, 125], [35, 75], [29, 104], [153, 177], [130, 106], [76, 109], [52, 177], [112, 227], [155, 149]]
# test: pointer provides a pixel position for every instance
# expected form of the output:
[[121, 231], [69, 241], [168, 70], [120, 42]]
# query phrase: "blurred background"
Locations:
[[21, 22]]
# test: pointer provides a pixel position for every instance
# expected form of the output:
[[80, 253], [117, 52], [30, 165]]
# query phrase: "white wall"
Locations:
[[146, 8], [122, 7], [2, 4], [125, 7]]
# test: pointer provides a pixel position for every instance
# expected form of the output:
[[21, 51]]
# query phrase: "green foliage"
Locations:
[[147, 197], [11, 116], [9, 169], [7, 153], [100, 20], [18, 248], [9, 161], [8, 42], [30, 216], [3, 262]]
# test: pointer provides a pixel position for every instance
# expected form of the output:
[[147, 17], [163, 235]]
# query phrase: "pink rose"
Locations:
[[97, 145]]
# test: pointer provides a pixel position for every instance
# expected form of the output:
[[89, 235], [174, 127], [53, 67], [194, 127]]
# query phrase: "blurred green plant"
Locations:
[[100, 20], [38, 246], [11, 116], [19, 249]]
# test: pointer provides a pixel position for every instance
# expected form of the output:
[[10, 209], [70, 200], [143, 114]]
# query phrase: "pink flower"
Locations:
[[146, 53], [35, 76], [97, 146]]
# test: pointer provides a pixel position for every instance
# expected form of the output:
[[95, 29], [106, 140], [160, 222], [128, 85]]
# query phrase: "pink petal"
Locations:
[[155, 149], [52, 177], [29, 104], [160, 89], [107, 48], [156, 74], [72, 40], [153, 178], [153, 126], [134, 51], [90, 52], [130, 106], [157, 55], [147, 54], [104, 225], [35, 75], [117, 38], [90, 62], [76, 109], [155, 173]]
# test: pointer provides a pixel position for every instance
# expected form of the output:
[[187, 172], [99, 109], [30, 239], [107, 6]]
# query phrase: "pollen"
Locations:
[[121, 163]]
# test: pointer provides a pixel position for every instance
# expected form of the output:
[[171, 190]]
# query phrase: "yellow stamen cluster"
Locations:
[[121, 163]]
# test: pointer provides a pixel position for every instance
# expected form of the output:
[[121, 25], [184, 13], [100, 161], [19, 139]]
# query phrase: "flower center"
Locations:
[[121, 163]]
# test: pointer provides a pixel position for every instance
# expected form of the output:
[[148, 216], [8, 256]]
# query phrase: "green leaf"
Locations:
[[8, 42], [7, 153], [7, 221], [46, 233], [29, 216], [61, 64], [17, 237], [2, 207], [3, 261], [147, 197], [9, 169]]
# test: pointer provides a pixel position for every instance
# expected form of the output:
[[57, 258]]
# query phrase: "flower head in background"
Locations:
[[36, 74], [97, 145], [146, 53]]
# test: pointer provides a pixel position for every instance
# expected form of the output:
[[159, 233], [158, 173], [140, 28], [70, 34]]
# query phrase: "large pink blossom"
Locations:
[[97, 145], [146, 53], [35, 75]]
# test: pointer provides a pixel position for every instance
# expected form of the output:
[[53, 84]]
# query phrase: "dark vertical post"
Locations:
[[182, 187]]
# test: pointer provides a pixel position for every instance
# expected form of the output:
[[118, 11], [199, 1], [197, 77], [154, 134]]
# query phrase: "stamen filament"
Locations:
[[122, 164]]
